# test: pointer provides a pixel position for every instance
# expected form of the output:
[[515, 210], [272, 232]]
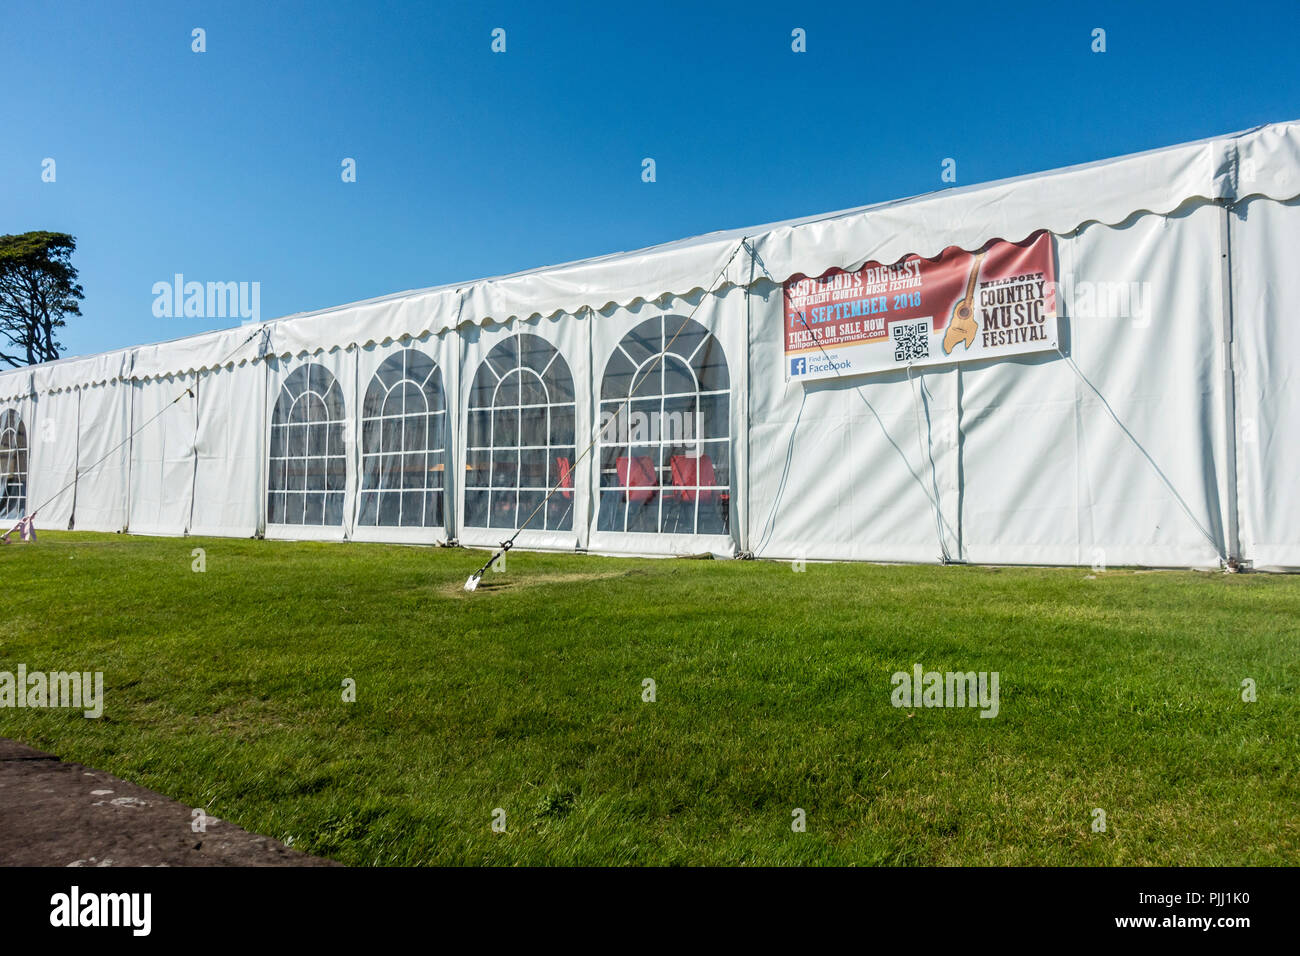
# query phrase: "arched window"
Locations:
[[665, 452], [308, 464], [520, 438], [403, 426], [13, 466]]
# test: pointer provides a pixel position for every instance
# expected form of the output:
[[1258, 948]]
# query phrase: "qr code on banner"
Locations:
[[911, 340]]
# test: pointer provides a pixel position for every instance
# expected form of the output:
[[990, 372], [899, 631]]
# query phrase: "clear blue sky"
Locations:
[[225, 166]]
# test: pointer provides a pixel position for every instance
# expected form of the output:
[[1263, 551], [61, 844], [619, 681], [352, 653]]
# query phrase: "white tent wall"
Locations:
[[229, 483], [51, 486], [501, 482], [162, 454], [16, 386], [103, 457], [695, 422], [840, 468], [1048, 475], [1266, 287], [82, 409], [404, 400]]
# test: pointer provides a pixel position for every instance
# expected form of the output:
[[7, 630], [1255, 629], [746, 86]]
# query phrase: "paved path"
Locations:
[[62, 814]]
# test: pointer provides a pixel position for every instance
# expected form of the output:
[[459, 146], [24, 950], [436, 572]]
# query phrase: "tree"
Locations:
[[38, 287]]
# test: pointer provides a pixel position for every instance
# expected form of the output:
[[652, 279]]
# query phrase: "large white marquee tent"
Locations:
[[1161, 432]]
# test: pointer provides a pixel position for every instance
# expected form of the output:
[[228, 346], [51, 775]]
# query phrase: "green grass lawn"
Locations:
[[1119, 691]]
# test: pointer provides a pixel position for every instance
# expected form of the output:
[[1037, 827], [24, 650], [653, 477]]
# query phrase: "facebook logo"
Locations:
[[798, 366]]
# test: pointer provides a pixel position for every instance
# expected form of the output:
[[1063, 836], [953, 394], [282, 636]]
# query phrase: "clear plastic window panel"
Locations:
[[13, 466], [665, 414], [308, 463], [403, 444], [520, 438]]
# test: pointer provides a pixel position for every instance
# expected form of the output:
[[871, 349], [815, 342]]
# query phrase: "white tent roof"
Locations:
[[1261, 161]]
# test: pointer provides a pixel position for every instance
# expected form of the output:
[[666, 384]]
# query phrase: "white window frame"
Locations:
[[336, 428], [431, 484], [626, 403], [542, 521]]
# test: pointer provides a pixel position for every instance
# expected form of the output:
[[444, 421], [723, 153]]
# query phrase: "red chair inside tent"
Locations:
[[689, 473], [637, 475], [566, 476]]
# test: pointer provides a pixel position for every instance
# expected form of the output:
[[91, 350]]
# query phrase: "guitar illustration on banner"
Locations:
[[962, 326]]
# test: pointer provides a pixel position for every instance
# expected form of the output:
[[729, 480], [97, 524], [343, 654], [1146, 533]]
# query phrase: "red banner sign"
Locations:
[[960, 306]]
